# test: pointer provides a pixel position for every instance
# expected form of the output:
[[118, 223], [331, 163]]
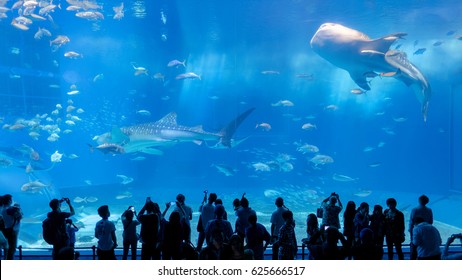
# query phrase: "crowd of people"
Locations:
[[169, 238]]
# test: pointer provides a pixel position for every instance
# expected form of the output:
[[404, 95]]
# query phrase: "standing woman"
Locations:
[[394, 229], [12, 215], [287, 240], [105, 233], [349, 225], [130, 237]]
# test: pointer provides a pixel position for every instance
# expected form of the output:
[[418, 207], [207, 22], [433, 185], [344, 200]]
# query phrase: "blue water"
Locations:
[[229, 44]]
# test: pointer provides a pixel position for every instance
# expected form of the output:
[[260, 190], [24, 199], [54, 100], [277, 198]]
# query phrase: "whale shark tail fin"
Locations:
[[228, 131]]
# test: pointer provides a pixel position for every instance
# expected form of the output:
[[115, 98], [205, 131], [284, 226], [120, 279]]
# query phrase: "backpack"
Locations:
[[51, 232]]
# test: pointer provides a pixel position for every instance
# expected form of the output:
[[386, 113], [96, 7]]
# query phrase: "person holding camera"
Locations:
[[71, 229], [445, 255], [129, 235], [207, 210], [150, 219], [331, 211], [59, 220]]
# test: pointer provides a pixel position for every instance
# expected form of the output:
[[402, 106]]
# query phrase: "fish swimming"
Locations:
[[148, 137], [356, 53]]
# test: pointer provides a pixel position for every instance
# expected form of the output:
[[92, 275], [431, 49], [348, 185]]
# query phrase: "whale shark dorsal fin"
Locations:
[[198, 128], [169, 119], [118, 136]]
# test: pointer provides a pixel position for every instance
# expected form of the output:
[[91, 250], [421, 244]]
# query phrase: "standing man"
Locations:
[[105, 233], [420, 211], [331, 211], [59, 220], [276, 223], [185, 215]]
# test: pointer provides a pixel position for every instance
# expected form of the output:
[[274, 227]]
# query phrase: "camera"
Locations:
[[131, 208], [457, 235], [62, 200]]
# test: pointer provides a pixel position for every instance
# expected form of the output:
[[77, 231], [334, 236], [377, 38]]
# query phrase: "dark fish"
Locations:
[[437, 43], [398, 46], [416, 42], [450, 33], [420, 51]]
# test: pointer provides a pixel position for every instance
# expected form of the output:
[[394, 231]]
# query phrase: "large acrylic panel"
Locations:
[[312, 132]]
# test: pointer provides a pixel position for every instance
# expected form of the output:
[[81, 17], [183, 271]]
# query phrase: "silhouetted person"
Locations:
[[427, 240], [445, 254], [286, 238], [149, 217], [3, 240], [349, 225], [394, 229], [71, 230], [185, 215], [361, 220], [331, 211], [220, 202], [129, 235], [172, 237], [12, 215], [377, 226], [234, 249], [214, 249], [59, 220], [420, 211], [314, 235], [207, 211], [218, 225], [243, 213], [365, 248], [105, 233], [257, 237], [329, 249], [276, 223]]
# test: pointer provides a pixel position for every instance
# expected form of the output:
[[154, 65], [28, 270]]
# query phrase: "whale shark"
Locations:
[[149, 137], [356, 53]]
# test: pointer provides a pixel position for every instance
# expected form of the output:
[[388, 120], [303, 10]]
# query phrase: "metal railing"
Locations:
[[89, 253]]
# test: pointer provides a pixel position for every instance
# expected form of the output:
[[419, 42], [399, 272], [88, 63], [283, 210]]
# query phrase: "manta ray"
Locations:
[[356, 53], [149, 137]]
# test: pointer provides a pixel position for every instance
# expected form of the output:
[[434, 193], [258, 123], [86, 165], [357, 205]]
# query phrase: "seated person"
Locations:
[[367, 249], [445, 255], [329, 249]]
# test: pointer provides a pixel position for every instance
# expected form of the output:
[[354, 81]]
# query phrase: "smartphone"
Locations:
[[148, 199], [326, 227], [172, 203], [132, 208]]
